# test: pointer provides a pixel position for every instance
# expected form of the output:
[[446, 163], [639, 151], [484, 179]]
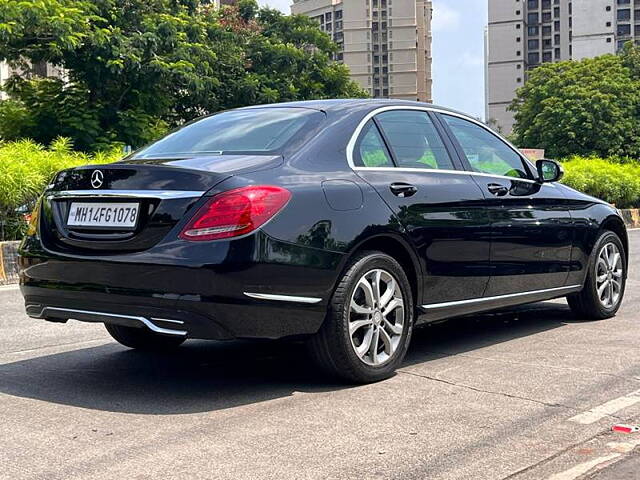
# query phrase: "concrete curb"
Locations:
[[9, 250], [631, 217], [8, 262]]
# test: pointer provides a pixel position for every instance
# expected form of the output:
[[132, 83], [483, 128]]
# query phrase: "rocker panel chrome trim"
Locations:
[[434, 306]]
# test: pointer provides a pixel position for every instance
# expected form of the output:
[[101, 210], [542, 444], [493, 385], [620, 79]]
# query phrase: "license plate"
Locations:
[[103, 215]]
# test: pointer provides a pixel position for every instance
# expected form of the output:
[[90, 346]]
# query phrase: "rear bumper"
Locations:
[[250, 297], [254, 319]]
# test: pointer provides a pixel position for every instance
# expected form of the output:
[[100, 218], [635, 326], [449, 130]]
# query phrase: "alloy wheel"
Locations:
[[376, 317], [609, 271]]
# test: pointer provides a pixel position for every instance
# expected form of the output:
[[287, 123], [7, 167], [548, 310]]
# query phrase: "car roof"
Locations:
[[340, 105]]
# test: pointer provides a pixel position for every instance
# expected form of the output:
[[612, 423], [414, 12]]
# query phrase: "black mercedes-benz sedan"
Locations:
[[342, 222]]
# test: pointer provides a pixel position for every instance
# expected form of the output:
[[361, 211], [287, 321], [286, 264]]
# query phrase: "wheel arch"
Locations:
[[615, 224], [399, 249]]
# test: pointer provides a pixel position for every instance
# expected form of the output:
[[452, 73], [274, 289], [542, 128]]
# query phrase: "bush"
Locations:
[[615, 180], [25, 170]]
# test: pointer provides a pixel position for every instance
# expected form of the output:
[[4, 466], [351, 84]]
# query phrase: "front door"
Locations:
[[530, 221], [403, 155]]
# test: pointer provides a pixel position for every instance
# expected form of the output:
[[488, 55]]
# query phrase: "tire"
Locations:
[[588, 304], [142, 338], [343, 353]]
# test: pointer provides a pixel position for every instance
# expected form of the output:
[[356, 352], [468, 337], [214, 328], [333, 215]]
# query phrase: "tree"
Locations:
[[138, 67], [582, 107], [630, 55]]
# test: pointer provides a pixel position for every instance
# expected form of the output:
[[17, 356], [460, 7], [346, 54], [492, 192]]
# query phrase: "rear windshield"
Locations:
[[256, 131]]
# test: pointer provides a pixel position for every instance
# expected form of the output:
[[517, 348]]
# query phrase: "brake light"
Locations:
[[236, 212]]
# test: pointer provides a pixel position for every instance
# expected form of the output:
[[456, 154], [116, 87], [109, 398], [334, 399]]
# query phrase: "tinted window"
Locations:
[[255, 130], [414, 140], [485, 152], [371, 150], [624, 29]]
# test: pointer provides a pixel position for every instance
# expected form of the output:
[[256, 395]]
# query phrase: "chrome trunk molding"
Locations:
[[161, 194]]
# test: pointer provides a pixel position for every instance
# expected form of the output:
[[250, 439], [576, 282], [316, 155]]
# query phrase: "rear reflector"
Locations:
[[236, 212]]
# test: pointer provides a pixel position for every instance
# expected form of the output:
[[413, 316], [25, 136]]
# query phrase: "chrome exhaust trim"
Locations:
[[44, 312]]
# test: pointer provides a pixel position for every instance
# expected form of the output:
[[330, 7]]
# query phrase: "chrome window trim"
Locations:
[[434, 306], [282, 298], [496, 134], [452, 172], [356, 134], [161, 194]]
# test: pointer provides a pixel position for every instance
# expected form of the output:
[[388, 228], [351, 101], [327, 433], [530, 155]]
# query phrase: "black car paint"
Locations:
[[462, 242]]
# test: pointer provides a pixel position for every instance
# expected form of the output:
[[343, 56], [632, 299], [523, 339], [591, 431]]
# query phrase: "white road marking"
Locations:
[[624, 447], [618, 448], [608, 408], [583, 468], [9, 287]]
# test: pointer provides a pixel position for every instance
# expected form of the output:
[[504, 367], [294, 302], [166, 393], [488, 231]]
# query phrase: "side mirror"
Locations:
[[549, 171]]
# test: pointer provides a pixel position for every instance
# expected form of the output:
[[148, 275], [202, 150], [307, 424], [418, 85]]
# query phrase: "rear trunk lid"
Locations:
[[132, 205]]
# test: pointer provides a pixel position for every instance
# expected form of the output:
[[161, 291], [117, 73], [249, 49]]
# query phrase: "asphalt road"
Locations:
[[529, 394]]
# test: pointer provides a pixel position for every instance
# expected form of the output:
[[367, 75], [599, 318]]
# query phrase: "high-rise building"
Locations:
[[523, 34], [40, 69], [385, 43]]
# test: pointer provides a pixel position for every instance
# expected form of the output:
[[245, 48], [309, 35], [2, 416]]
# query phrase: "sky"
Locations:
[[458, 52]]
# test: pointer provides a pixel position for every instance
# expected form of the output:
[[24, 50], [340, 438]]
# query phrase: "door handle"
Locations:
[[403, 189], [497, 189]]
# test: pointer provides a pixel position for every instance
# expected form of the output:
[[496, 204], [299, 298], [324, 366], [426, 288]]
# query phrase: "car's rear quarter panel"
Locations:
[[300, 252]]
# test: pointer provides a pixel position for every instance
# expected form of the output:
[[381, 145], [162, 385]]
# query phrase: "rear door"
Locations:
[[403, 155], [531, 227]]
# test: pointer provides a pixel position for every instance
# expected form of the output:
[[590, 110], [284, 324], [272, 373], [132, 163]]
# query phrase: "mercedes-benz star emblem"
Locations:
[[97, 178]]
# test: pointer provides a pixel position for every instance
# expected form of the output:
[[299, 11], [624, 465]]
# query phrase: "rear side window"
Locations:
[[414, 140], [371, 150], [485, 152], [256, 131]]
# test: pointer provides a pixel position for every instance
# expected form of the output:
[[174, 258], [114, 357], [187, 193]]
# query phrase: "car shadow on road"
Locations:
[[207, 376], [466, 334]]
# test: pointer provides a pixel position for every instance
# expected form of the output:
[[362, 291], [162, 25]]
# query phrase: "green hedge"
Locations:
[[25, 170], [616, 181]]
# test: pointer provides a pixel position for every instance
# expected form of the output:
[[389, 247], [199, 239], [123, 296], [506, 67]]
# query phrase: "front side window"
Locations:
[[485, 152], [256, 131], [371, 150], [414, 140]]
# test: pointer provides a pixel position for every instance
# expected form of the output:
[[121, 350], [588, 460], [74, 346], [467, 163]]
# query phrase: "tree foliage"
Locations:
[[138, 67], [587, 107]]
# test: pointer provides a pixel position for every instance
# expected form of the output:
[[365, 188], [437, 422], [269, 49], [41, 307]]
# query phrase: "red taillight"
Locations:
[[236, 212]]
